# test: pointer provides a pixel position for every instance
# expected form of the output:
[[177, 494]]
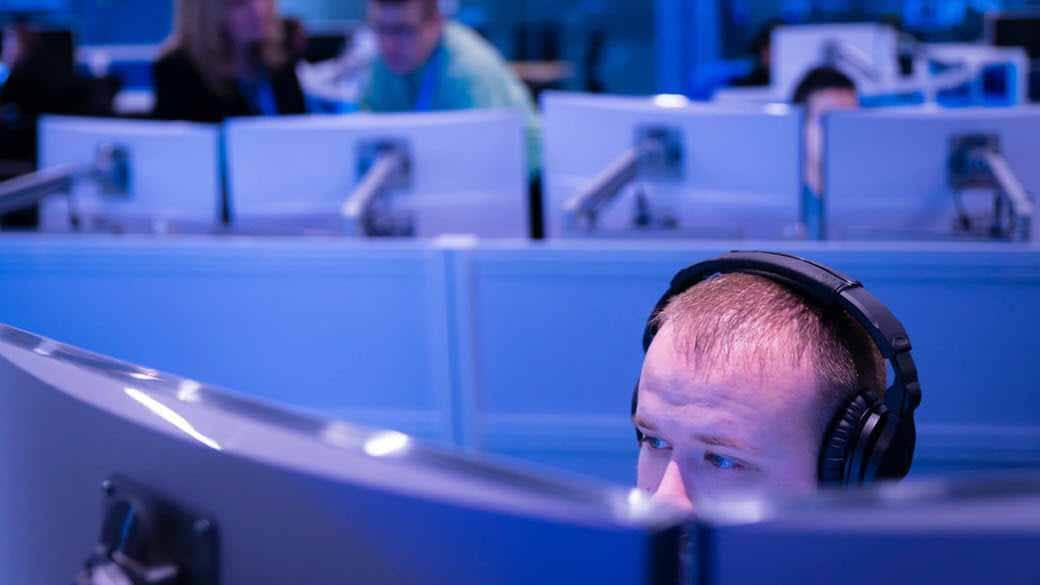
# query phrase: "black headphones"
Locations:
[[867, 439]]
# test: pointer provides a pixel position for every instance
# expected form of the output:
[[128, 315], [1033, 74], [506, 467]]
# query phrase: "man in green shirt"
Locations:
[[427, 63]]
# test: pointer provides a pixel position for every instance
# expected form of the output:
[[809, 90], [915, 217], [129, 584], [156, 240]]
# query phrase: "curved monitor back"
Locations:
[[972, 529], [284, 497]]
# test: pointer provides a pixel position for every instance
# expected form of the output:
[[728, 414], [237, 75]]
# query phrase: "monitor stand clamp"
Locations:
[[977, 162]]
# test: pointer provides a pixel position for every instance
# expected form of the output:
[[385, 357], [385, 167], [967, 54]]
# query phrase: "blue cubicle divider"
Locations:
[[554, 339], [352, 330], [516, 349]]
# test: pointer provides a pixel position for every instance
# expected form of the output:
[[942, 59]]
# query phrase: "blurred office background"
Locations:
[[618, 46], [507, 349]]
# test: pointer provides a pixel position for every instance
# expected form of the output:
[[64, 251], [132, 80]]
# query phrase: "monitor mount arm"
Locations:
[[385, 166], [839, 54], [976, 161], [147, 539], [842, 55], [657, 153], [110, 169]]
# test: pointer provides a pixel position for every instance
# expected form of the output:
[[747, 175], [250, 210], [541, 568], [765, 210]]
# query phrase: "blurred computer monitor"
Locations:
[[169, 178], [721, 172], [968, 530], [324, 46], [328, 39], [868, 52], [1018, 30], [458, 172], [744, 96], [909, 174], [1015, 30], [173, 476]]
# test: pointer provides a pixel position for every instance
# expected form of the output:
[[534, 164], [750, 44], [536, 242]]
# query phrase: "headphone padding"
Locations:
[[841, 440]]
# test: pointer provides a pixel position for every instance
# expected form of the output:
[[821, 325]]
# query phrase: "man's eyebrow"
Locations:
[[643, 423], [717, 441]]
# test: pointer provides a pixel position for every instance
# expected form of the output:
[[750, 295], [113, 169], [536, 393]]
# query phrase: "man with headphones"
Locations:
[[767, 372]]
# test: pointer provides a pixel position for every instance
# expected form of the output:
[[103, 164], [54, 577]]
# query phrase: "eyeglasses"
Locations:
[[399, 31]]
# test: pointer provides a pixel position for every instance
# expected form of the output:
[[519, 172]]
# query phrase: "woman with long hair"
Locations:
[[226, 58]]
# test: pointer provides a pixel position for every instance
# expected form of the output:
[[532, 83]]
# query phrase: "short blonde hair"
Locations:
[[748, 322], [198, 29]]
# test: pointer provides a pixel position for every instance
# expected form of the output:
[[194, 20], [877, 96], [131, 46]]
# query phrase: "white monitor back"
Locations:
[[968, 60], [745, 96], [468, 170], [174, 174], [886, 171], [976, 529], [798, 49], [741, 176]]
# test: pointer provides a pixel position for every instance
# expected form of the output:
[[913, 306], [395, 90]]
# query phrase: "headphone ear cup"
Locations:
[[842, 439], [898, 455]]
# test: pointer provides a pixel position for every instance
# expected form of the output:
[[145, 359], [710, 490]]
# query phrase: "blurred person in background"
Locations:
[[429, 63], [296, 39], [40, 79], [762, 49], [226, 58], [821, 90]]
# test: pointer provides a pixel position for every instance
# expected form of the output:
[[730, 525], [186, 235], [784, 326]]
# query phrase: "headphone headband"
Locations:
[[831, 289]]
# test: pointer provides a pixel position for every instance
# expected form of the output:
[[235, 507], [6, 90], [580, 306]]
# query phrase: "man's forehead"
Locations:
[[712, 415], [749, 416], [680, 397], [680, 385], [671, 386], [669, 366]]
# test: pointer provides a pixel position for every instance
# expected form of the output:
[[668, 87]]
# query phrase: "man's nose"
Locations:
[[672, 490]]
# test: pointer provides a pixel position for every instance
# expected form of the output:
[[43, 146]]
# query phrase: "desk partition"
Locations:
[[524, 350], [351, 330]]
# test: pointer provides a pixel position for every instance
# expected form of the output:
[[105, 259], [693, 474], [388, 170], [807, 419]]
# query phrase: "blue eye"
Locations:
[[655, 443], [722, 462]]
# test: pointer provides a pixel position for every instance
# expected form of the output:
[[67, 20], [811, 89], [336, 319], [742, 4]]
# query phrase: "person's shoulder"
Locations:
[[472, 56], [174, 61], [477, 69], [172, 56]]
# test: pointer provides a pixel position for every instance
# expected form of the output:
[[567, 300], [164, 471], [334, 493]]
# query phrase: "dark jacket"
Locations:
[[39, 84], [182, 94]]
